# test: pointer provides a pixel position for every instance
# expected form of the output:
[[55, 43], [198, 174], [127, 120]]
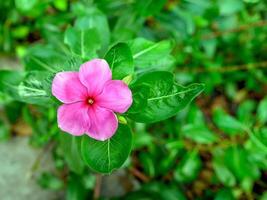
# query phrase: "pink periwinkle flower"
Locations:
[[90, 99]]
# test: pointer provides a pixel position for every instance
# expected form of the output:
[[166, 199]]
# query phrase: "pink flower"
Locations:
[[90, 99]]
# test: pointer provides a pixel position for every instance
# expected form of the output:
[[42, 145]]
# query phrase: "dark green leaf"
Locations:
[[157, 97], [120, 60], [106, 156], [225, 194]]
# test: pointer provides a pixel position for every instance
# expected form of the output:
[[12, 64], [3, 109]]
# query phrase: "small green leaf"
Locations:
[[106, 156], [25, 5], [224, 174], [84, 43], [157, 97], [149, 56], [227, 123], [199, 134], [261, 111], [149, 7], [237, 160], [225, 194], [189, 167], [120, 60]]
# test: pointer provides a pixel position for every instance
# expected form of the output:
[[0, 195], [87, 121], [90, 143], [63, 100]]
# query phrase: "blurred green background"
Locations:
[[210, 150]]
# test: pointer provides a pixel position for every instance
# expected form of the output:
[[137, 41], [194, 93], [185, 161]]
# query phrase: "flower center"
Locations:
[[90, 101]]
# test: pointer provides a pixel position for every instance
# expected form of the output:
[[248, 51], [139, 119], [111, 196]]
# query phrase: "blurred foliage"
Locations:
[[214, 149]]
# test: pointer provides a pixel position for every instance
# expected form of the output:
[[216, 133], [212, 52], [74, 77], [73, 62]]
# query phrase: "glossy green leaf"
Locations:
[[157, 97], [84, 42], [120, 60], [146, 55], [106, 156]]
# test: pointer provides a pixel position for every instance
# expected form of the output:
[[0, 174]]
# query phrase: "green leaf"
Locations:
[[223, 173], [189, 167], [149, 7], [199, 133], [50, 181], [70, 146], [227, 123], [237, 160], [35, 88], [225, 194], [32, 87], [106, 156], [95, 19], [45, 58], [25, 5], [75, 188], [9, 80], [261, 111], [84, 43], [120, 60], [229, 7], [157, 97], [149, 56]]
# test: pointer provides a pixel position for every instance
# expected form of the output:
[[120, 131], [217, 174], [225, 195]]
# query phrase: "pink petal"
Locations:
[[73, 118], [116, 96], [94, 74], [104, 123], [67, 87]]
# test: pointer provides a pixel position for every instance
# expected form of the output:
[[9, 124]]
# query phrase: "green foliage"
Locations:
[[210, 147]]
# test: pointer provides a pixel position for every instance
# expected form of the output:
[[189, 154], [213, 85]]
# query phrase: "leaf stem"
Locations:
[[97, 188]]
